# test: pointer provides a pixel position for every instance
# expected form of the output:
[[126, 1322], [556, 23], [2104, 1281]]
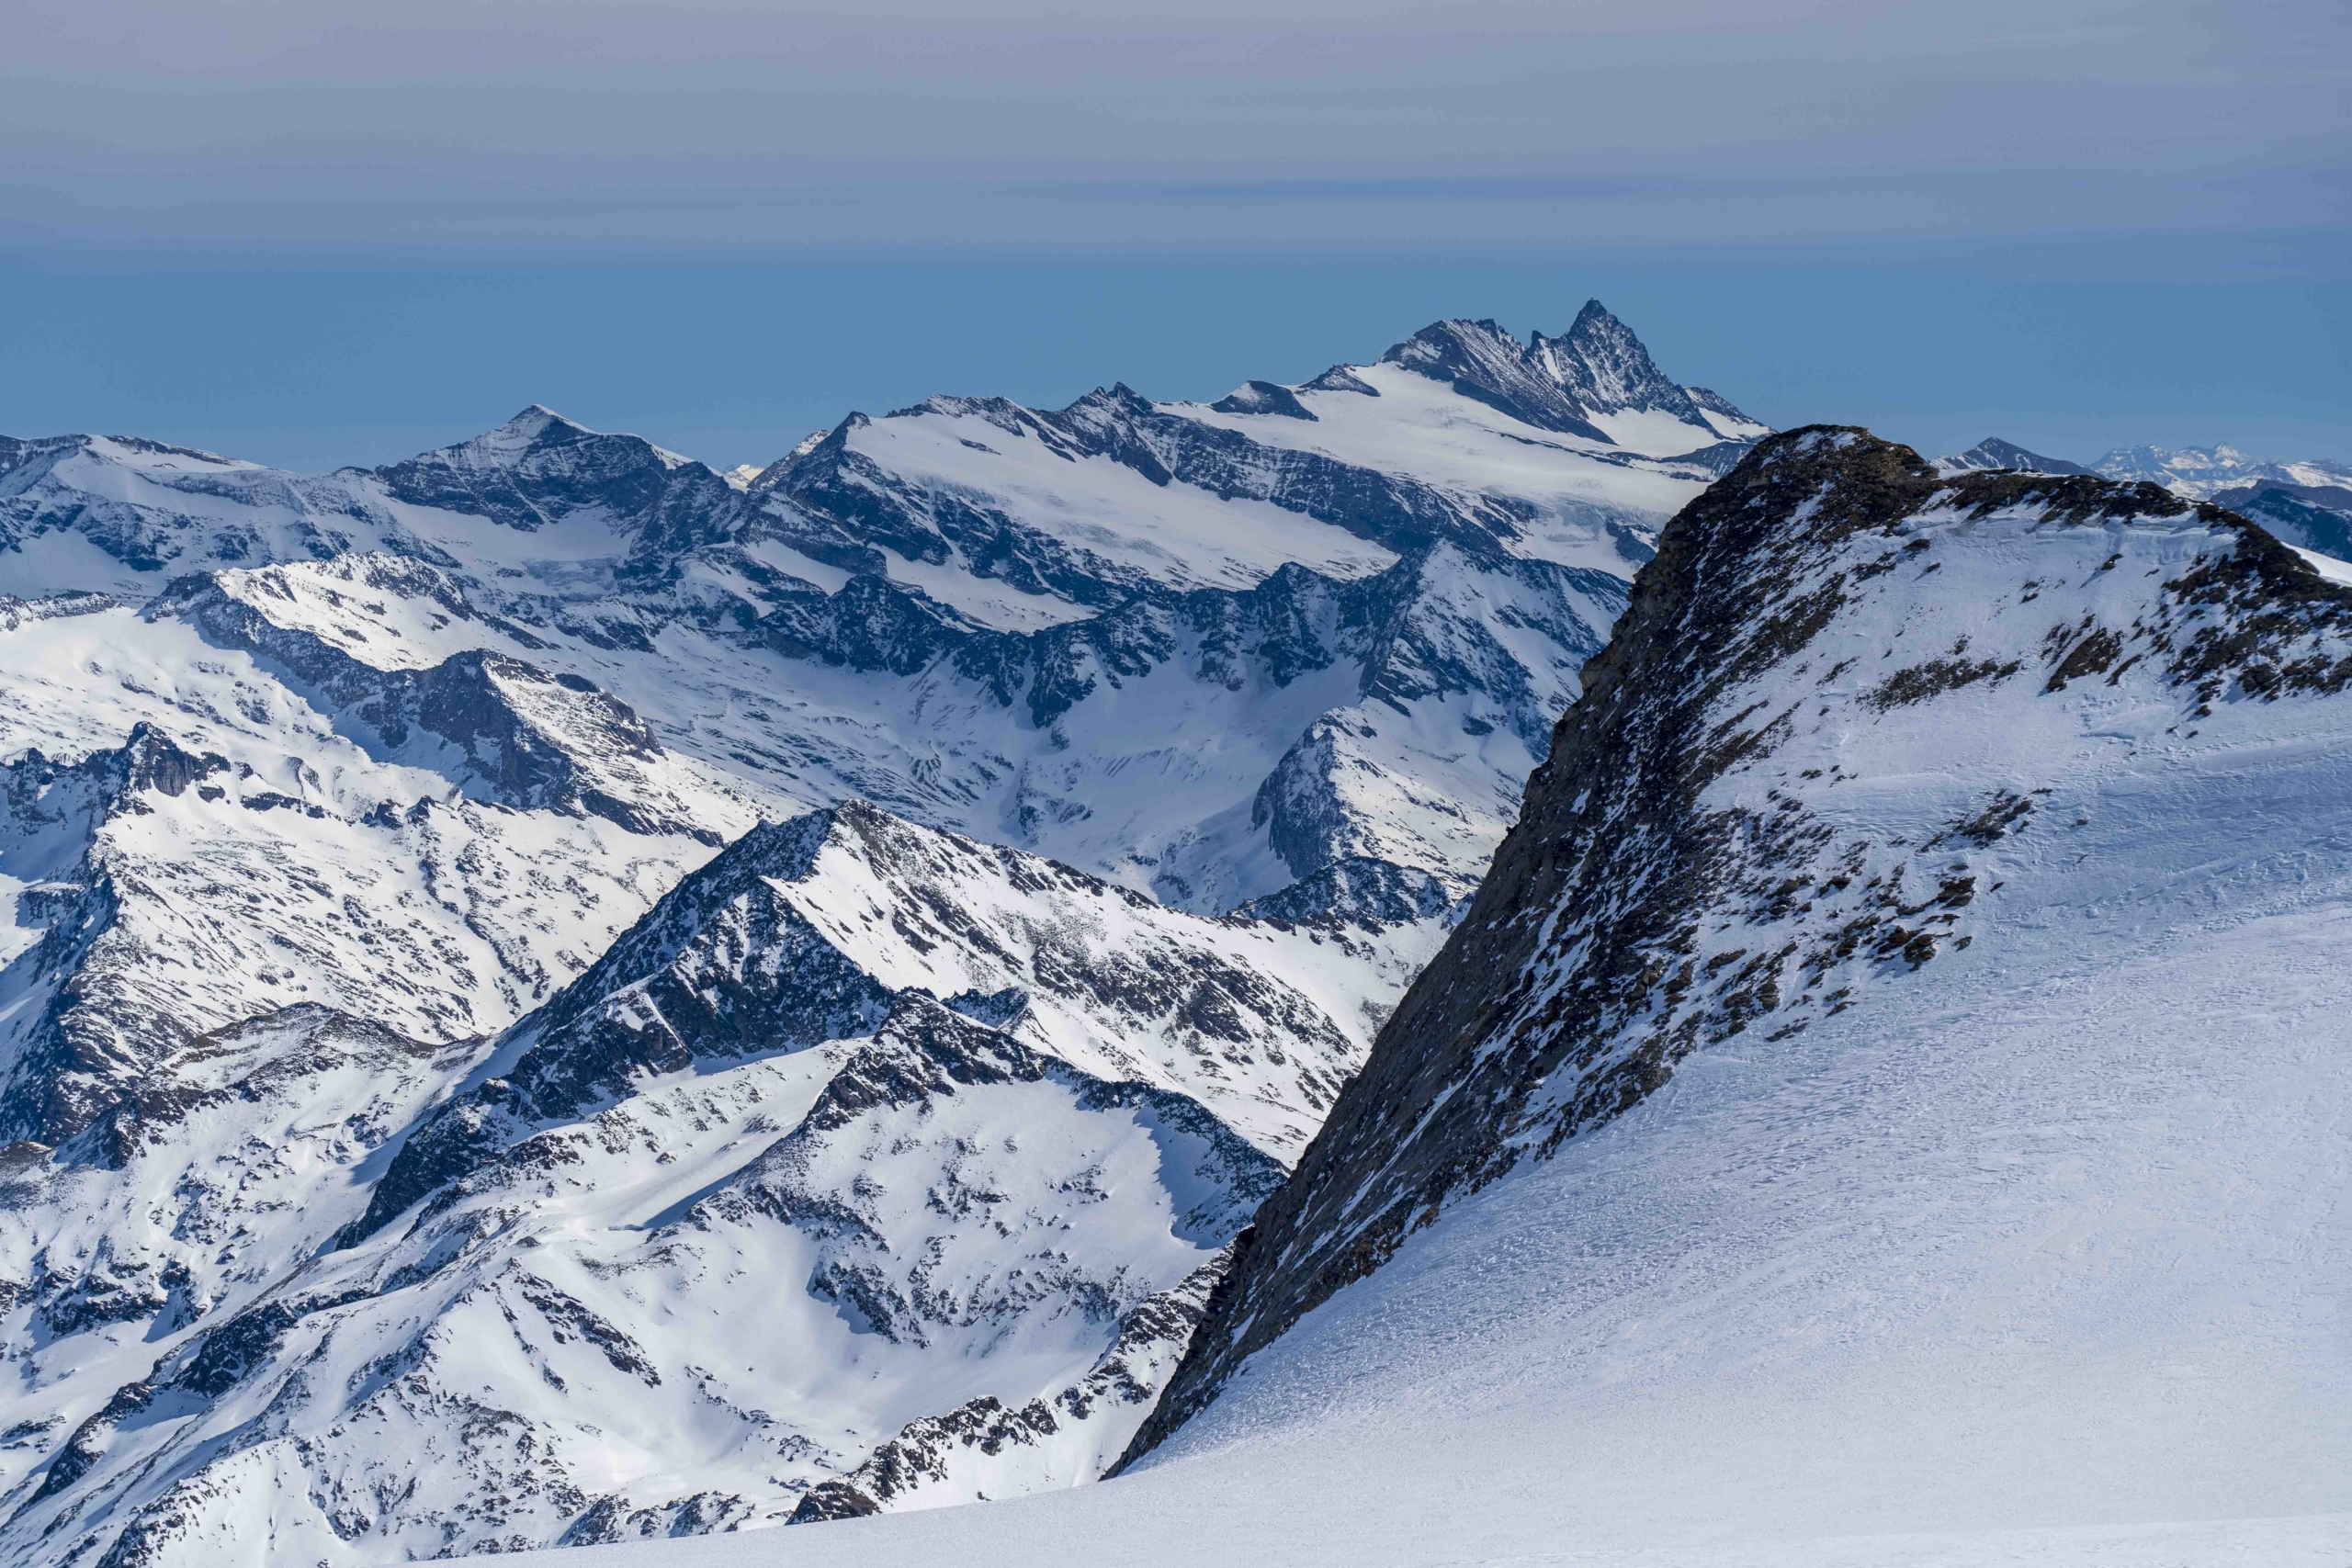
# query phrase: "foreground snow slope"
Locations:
[[2047, 1271], [1912, 1122]]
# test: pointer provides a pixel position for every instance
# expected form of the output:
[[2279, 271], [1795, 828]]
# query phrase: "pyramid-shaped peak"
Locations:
[[1596, 317], [1482, 361], [1608, 369]]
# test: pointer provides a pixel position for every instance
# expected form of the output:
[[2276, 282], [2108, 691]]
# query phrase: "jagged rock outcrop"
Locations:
[[1480, 360], [1603, 366], [1682, 871], [539, 467], [984, 1447]]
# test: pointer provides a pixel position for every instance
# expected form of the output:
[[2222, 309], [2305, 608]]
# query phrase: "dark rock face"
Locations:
[[89, 1043], [926, 1452], [1716, 403], [1358, 890], [1263, 397], [1480, 360], [539, 467], [722, 966], [1341, 378], [1603, 366], [1579, 976]]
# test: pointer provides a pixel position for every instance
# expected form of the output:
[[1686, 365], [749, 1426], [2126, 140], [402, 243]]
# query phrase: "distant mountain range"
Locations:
[[2199, 473]]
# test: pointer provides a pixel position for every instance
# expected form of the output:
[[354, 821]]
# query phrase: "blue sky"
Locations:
[[322, 232]]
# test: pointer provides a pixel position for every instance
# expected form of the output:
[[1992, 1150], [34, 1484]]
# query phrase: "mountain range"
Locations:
[[490, 930], [1474, 951]]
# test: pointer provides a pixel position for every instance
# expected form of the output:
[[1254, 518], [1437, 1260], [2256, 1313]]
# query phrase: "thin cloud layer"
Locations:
[[723, 125]]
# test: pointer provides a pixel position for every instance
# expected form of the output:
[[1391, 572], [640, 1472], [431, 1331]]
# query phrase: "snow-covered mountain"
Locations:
[[481, 1074], [1885, 1107], [1177, 645], [2315, 517]]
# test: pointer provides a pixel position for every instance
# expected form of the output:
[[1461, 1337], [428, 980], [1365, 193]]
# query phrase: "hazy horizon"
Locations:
[[321, 234]]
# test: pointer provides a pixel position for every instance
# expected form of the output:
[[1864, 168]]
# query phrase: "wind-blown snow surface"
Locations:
[[2006, 1224]]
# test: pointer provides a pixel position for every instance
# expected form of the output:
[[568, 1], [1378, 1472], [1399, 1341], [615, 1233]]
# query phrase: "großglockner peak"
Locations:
[[1596, 381], [1906, 817]]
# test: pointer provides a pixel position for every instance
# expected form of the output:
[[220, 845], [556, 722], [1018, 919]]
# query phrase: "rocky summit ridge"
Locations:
[[1842, 708]]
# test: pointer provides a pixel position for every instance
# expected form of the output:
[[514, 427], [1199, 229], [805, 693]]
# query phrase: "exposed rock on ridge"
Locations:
[[1656, 897]]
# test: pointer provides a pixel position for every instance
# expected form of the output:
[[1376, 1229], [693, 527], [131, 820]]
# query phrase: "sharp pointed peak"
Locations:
[[1596, 323]]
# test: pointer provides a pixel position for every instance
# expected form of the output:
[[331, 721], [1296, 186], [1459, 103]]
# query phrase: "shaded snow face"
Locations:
[[874, 1168], [1847, 693]]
